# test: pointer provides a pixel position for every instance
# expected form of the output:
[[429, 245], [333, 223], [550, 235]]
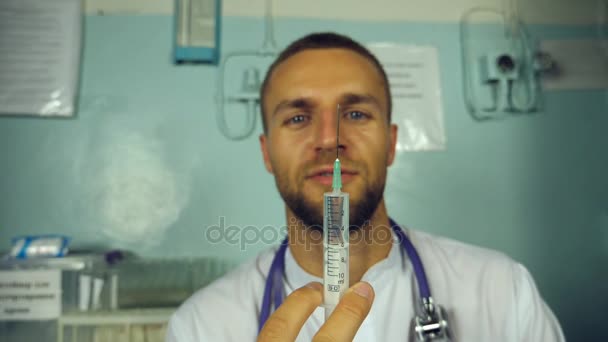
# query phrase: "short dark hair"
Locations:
[[323, 40]]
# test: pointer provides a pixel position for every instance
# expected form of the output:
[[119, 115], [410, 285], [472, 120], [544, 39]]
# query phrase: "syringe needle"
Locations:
[[337, 179], [338, 131]]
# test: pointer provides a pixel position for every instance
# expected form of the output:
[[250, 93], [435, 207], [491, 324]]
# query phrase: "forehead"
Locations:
[[324, 72], [323, 58]]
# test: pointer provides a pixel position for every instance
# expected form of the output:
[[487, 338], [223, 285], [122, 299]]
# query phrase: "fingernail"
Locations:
[[315, 286], [363, 289]]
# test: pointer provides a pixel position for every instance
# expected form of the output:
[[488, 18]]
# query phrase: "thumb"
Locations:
[[349, 314]]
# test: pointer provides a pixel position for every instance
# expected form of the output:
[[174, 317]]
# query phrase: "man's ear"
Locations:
[[264, 147], [392, 144]]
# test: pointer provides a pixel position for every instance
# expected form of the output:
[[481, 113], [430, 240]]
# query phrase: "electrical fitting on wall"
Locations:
[[249, 97], [197, 31], [249, 92], [501, 69]]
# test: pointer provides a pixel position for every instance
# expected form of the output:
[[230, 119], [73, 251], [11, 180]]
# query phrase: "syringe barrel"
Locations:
[[335, 245]]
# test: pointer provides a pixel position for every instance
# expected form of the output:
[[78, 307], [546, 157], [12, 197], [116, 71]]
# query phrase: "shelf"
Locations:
[[117, 317], [67, 263]]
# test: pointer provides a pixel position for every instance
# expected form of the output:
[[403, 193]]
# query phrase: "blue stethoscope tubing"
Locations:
[[274, 291]]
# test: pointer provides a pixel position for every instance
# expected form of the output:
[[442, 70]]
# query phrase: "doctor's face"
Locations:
[[299, 147]]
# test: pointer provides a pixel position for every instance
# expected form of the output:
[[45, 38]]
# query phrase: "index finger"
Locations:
[[285, 323]]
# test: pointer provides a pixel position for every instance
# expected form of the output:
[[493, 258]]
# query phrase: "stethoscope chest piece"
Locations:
[[432, 323]]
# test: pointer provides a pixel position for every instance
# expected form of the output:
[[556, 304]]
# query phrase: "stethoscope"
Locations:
[[429, 324]]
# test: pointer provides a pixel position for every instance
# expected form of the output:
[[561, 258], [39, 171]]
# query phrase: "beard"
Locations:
[[311, 214]]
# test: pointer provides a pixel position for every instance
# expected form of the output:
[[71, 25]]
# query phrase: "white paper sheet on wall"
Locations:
[[30, 295], [40, 42], [413, 73]]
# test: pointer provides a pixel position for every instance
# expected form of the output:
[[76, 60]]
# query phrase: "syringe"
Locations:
[[335, 238]]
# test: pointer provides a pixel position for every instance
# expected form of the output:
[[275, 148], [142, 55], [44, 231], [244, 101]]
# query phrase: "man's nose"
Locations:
[[326, 131]]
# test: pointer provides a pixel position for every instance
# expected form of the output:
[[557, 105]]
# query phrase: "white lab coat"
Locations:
[[488, 297]]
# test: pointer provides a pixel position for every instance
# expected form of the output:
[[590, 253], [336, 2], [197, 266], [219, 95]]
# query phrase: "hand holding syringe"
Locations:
[[335, 238]]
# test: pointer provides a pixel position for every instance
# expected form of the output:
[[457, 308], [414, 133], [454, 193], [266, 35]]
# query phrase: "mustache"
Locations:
[[328, 160]]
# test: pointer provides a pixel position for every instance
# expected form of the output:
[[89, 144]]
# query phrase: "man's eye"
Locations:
[[296, 119], [356, 115]]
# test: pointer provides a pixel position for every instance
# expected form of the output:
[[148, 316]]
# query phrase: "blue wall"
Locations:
[[144, 167]]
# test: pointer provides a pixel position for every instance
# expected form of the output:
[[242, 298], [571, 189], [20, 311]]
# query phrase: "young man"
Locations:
[[486, 296]]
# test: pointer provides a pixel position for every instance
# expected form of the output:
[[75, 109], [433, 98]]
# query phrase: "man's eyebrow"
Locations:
[[305, 103], [353, 98], [298, 103]]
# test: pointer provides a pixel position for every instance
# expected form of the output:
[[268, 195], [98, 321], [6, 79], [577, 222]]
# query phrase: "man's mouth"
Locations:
[[324, 176]]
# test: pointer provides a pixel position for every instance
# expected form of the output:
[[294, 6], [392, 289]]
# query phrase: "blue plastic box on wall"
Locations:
[[197, 25]]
